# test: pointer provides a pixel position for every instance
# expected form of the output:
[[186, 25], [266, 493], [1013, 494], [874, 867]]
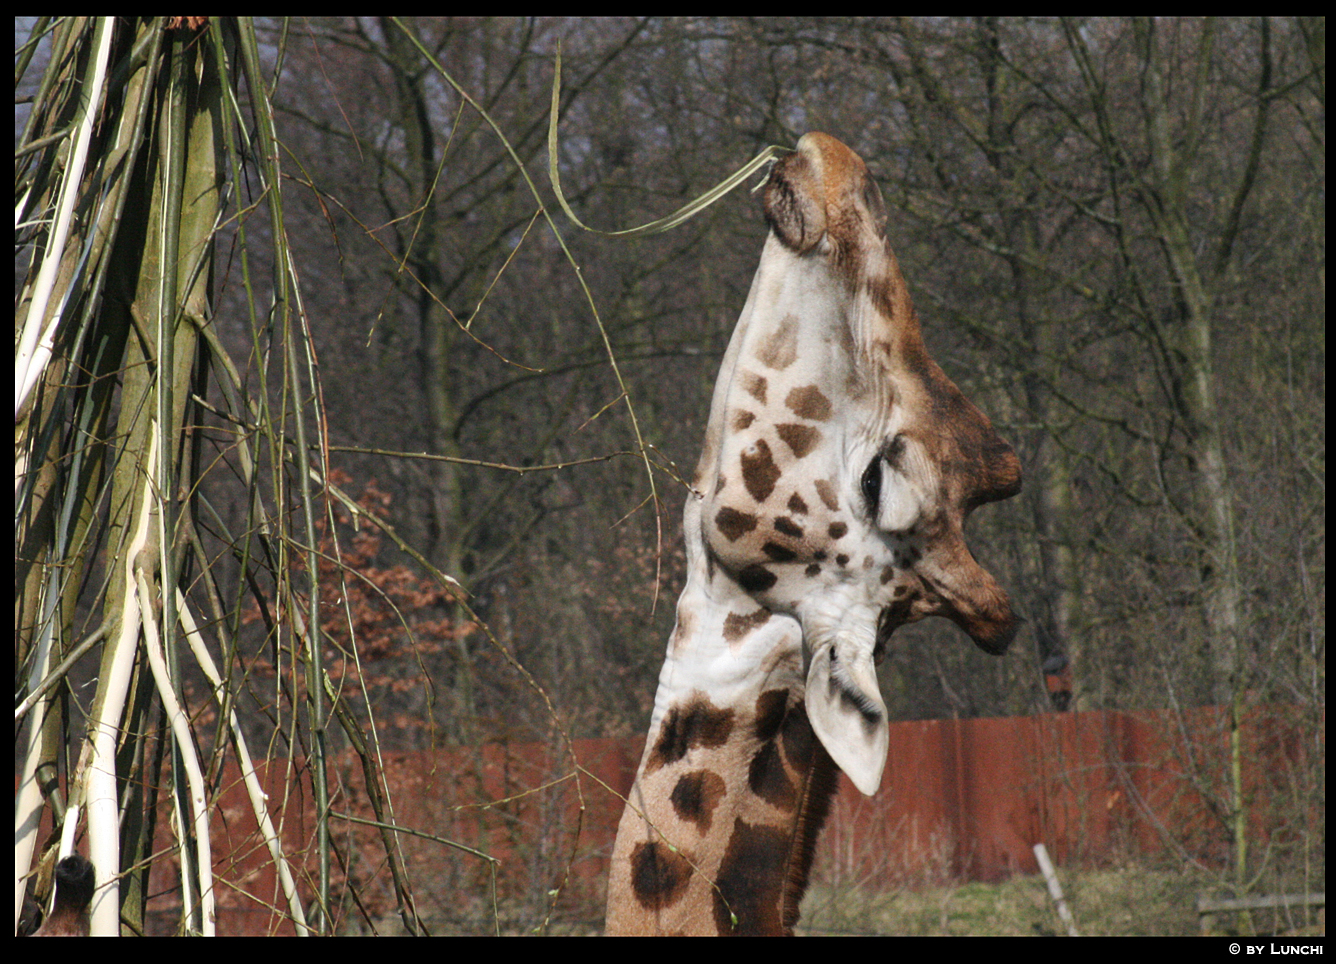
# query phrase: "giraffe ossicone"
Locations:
[[827, 510]]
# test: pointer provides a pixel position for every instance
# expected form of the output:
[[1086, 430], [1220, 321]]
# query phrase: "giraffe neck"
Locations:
[[827, 510], [734, 786]]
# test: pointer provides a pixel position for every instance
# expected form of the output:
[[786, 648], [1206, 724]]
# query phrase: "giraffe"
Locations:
[[827, 510]]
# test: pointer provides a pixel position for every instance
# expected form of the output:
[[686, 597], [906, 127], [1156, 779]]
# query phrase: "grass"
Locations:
[[1126, 902]]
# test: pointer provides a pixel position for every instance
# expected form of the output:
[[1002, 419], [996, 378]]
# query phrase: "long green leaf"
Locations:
[[685, 213]]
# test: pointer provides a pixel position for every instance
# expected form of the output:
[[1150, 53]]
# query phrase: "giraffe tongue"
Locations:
[[845, 706]]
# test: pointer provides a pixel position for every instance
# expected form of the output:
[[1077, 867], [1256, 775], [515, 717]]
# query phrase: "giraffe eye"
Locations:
[[872, 484]]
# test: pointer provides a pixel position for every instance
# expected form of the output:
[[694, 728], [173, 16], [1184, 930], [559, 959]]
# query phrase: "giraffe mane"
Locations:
[[817, 796]]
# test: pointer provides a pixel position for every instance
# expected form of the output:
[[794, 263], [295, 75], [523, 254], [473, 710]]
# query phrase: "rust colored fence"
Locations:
[[968, 799], [961, 800]]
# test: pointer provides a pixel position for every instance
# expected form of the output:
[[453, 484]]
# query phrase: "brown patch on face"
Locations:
[[754, 385], [697, 724], [829, 498], [801, 439], [838, 530], [778, 553], [809, 403], [733, 525], [696, 795], [659, 877], [751, 881], [796, 504], [759, 471], [781, 349], [812, 571], [786, 526], [742, 420], [735, 626], [841, 560]]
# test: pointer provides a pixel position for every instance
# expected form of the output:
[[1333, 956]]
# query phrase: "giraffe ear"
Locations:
[[845, 706]]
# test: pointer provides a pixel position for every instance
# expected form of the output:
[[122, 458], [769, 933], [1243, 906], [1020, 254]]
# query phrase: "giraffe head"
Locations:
[[840, 462]]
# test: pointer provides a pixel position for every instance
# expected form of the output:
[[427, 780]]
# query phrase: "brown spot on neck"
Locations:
[[659, 877], [697, 724], [749, 890], [695, 797], [765, 869]]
